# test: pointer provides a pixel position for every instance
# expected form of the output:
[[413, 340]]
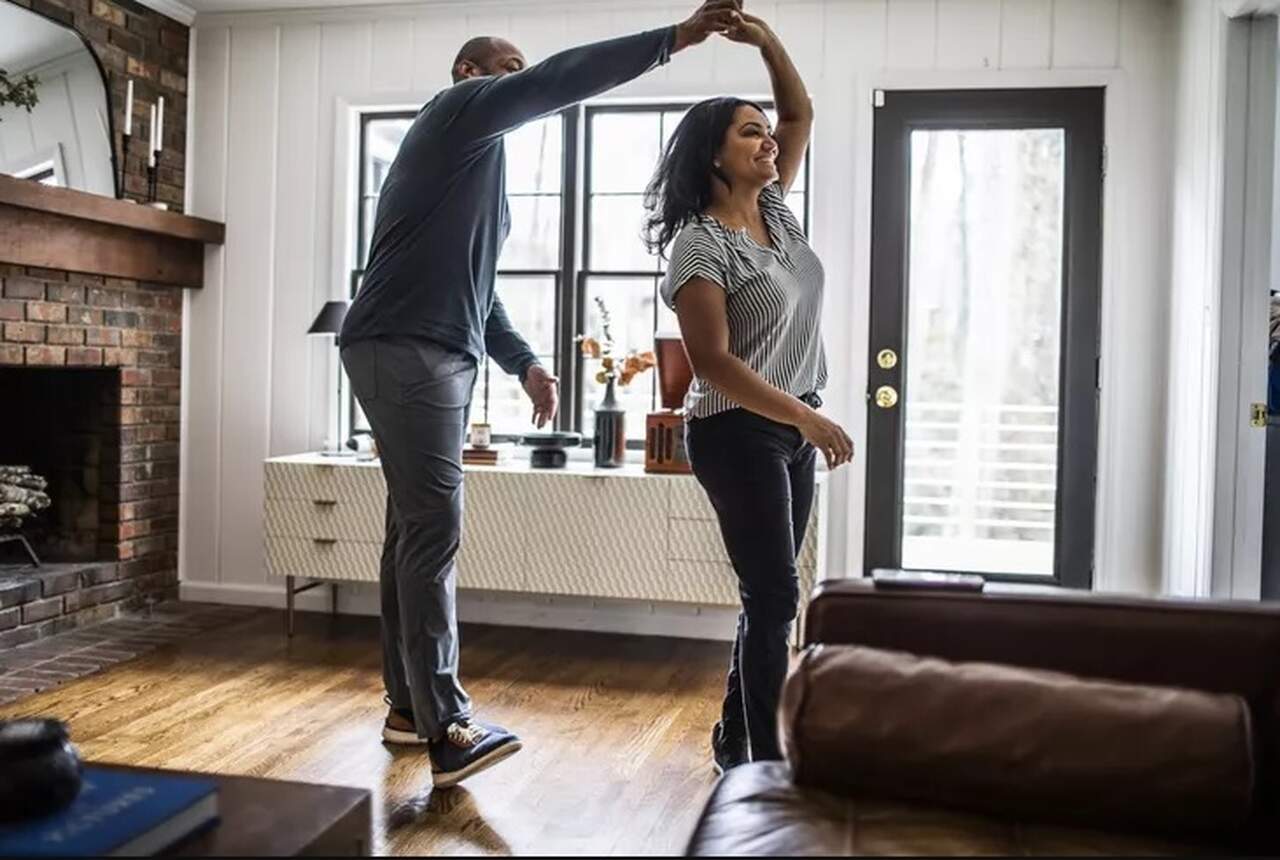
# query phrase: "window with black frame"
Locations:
[[529, 271], [624, 144], [380, 137], [548, 297]]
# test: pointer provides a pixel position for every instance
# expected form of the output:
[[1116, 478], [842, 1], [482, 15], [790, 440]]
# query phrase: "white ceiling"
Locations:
[[208, 6], [28, 39], [216, 6]]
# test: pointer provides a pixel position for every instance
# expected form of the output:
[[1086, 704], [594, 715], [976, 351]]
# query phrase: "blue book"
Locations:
[[118, 813]]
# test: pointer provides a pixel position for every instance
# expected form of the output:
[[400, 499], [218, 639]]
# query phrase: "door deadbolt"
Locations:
[[886, 397], [887, 359]]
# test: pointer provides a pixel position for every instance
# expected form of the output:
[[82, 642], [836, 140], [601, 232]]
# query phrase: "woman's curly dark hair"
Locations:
[[681, 187]]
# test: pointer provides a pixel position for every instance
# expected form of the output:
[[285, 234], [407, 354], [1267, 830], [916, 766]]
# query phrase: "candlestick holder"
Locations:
[[125, 137], [153, 171]]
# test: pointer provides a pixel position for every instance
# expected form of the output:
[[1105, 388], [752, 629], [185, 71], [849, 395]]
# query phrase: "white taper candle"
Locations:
[[151, 147], [159, 144], [128, 108]]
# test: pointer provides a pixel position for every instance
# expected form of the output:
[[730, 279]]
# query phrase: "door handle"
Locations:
[[886, 397]]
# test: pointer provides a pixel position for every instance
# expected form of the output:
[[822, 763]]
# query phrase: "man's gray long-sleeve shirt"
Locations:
[[442, 215]]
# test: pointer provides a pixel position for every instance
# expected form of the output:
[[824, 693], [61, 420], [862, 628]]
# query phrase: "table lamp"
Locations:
[[328, 323]]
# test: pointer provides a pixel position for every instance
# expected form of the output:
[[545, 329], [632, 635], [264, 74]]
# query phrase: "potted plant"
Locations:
[[617, 368]]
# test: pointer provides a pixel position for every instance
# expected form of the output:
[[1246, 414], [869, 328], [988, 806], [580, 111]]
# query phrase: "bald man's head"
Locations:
[[487, 55]]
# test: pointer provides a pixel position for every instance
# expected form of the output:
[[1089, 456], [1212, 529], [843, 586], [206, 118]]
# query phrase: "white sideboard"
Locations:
[[576, 531]]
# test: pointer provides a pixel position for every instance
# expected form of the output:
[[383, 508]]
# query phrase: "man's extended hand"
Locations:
[[714, 16], [544, 390]]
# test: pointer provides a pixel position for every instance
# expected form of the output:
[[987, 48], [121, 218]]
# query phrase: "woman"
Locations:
[[747, 290]]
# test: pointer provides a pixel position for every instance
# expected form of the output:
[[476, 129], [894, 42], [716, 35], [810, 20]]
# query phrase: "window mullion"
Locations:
[[567, 281]]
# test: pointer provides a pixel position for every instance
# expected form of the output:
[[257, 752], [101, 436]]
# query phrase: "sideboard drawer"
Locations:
[[311, 519], [594, 537], [362, 489], [297, 481], [807, 556], [700, 540], [495, 531], [707, 582], [323, 559], [695, 540], [686, 500]]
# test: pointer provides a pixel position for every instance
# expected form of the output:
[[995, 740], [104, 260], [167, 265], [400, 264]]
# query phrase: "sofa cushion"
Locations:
[[1021, 743], [756, 810]]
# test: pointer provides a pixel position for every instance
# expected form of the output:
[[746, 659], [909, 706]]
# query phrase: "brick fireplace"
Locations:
[[90, 378], [100, 356]]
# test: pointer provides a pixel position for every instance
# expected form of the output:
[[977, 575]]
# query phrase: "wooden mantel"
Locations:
[[59, 228]]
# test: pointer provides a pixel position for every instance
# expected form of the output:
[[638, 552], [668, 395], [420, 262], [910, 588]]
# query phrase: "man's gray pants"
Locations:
[[417, 395]]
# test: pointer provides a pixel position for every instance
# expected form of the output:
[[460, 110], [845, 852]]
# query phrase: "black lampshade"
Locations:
[[329, 320]]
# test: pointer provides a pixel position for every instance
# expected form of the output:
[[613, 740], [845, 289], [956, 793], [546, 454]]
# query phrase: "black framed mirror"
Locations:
[[55, 107]]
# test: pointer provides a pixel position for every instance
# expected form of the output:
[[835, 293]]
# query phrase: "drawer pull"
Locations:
[[324, 503], [324, 541]]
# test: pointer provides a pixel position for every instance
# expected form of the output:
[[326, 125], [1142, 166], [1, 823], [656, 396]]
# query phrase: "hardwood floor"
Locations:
[[616, 757]]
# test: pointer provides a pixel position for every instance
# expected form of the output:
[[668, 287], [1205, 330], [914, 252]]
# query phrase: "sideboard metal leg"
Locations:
[[288, 606], [333, 603]]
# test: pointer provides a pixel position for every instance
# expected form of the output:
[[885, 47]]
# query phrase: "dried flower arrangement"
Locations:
[[604, 349]]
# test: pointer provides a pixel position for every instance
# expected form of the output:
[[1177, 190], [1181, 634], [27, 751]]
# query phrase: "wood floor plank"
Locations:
[[616, 758]]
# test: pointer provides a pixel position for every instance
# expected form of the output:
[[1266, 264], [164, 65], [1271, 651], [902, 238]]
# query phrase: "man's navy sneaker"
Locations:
[[468, 748]]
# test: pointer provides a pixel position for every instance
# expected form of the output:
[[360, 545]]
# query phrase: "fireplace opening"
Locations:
[[63, 424]]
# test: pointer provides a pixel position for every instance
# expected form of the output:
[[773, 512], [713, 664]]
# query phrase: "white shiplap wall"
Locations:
[[271, 153]]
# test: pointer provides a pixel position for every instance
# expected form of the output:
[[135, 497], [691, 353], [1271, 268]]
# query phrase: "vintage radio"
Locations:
[[664, 430]]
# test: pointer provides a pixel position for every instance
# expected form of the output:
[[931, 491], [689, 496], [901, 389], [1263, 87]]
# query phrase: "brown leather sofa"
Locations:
[[1220, 651]]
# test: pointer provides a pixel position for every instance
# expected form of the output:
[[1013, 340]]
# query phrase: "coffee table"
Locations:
[[273, 818]]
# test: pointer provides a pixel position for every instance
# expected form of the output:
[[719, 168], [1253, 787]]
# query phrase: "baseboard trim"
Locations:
[[676, 620]]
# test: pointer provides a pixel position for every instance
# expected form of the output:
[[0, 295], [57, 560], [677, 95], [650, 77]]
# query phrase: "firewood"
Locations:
[[34, 499], [22, 495]]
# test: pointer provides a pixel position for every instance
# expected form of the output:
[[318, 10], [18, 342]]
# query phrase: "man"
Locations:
[[425, 317]]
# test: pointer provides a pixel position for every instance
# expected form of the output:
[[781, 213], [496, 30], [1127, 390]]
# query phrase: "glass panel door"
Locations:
[[984, 333]]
